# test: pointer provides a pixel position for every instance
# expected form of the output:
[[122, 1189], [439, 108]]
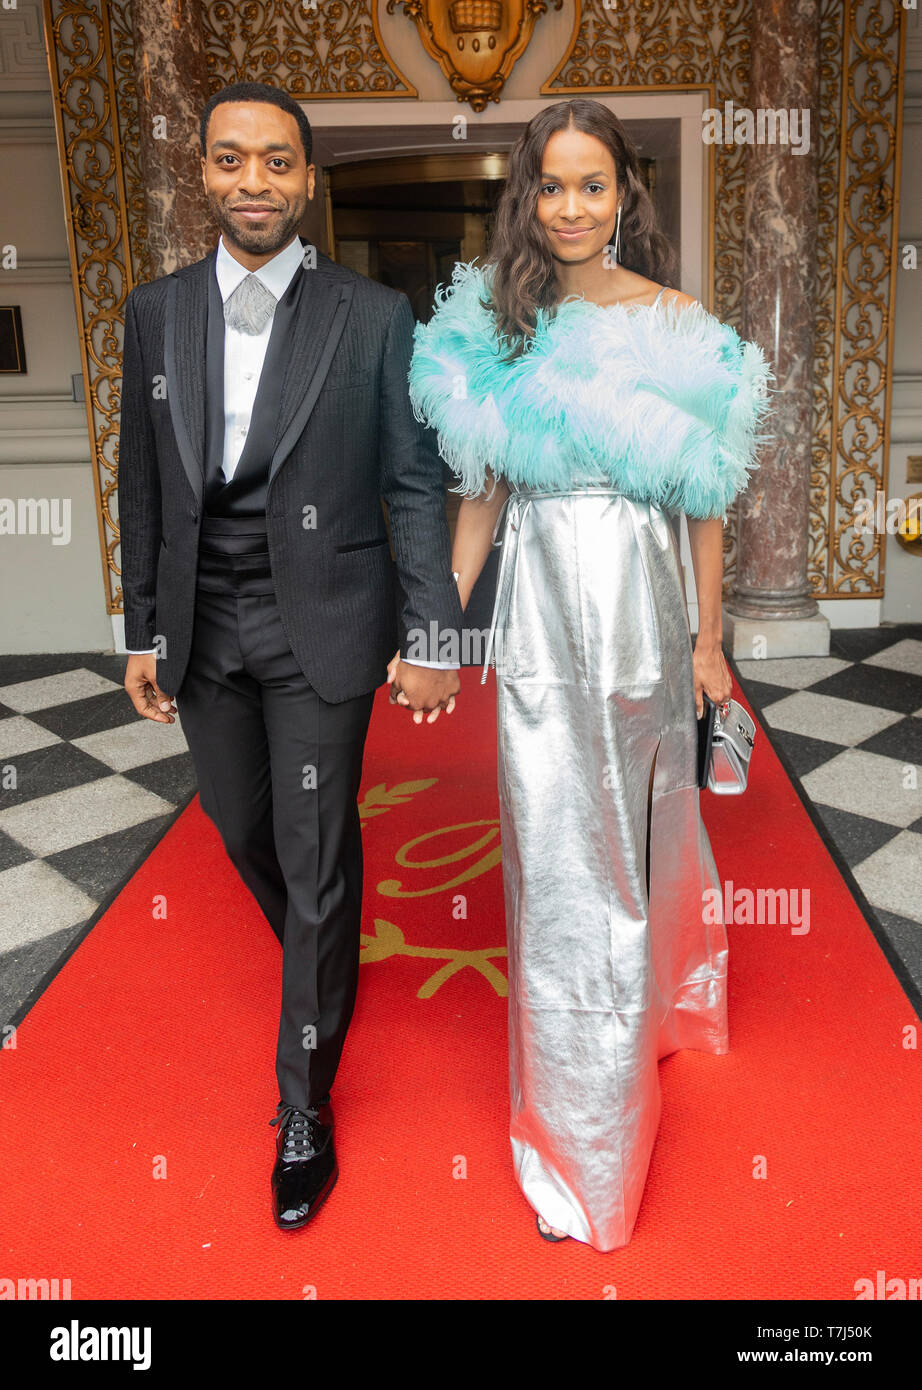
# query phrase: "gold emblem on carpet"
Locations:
[[472, 859]]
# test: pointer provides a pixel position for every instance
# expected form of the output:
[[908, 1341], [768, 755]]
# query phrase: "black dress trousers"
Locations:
[[278, 772]]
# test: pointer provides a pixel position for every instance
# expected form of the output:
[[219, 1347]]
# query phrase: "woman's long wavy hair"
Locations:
[[524, 279]]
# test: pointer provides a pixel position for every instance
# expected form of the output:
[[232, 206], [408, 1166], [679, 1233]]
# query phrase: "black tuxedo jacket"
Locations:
[[345, 437]]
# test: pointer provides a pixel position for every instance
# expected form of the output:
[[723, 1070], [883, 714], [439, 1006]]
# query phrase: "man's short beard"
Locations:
[[258, 241]]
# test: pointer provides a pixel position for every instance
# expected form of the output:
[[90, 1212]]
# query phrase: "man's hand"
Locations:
[[146, 695], [422, 688]]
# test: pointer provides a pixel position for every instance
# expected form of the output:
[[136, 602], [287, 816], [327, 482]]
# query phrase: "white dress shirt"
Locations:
[[244, 355]]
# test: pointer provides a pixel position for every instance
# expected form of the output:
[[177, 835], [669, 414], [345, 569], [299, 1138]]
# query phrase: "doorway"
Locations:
[[407, 220]]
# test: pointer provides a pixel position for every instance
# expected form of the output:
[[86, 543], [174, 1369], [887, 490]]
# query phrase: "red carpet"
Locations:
[[136, 1150]]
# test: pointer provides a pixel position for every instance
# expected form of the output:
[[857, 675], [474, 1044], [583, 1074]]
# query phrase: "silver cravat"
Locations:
[[250, 307]]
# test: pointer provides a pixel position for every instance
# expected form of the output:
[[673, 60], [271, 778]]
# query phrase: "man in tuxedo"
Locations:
[[264, 415]]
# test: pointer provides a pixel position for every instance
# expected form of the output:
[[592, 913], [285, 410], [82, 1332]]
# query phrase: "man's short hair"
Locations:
[[258, 91]]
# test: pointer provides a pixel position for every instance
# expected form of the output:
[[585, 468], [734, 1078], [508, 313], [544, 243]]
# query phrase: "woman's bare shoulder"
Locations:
[[679, 299]]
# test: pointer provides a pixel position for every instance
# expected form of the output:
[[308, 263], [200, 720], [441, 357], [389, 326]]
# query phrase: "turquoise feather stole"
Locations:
[[660, 402]]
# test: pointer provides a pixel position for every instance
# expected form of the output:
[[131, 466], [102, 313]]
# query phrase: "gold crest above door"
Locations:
[[476, 43]]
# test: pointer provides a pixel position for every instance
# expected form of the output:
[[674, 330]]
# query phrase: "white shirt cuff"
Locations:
[[434, 665]]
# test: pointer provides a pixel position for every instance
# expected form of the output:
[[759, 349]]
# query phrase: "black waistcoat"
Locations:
[[245, 494]]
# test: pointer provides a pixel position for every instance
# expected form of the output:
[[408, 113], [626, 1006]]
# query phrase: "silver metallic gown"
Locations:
[[612, 964]]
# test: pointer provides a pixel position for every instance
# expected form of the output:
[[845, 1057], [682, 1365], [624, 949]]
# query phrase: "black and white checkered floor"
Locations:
[[87, 789], [848, 729]]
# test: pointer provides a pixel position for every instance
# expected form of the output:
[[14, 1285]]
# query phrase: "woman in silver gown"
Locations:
[[614, 960]]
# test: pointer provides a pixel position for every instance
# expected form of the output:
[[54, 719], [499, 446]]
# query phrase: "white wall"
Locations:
[[53, 594]]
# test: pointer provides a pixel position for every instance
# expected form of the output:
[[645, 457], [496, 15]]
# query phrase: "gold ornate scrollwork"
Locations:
[[331, 49], [827, 244], [872, 62], [82, 84], [123, 63]]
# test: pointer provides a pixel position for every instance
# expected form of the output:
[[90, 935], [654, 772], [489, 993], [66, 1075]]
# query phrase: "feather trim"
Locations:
[[660, 401]]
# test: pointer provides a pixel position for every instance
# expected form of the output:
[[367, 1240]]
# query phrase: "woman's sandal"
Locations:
[[546, 1235]]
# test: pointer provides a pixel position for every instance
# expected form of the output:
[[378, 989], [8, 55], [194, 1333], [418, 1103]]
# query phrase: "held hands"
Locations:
[[146, 695], [422, 688], [711, 675]]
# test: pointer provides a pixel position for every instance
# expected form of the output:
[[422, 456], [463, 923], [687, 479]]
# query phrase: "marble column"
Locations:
[[770, 611], [172, 86]]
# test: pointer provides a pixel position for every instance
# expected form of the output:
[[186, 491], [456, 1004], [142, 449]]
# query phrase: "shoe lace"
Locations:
[[295, 1123]]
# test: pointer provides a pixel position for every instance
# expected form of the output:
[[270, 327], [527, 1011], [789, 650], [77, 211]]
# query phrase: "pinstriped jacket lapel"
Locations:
[[184, 347], [325, 303]]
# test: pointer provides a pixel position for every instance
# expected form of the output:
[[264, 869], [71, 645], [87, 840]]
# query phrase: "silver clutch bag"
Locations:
[[731, 749]]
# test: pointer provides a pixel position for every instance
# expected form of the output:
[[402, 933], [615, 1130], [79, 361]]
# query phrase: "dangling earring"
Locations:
[[618, 236]]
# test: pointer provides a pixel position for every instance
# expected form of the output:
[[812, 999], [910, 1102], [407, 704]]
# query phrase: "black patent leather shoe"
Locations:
[[305, 1166]]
